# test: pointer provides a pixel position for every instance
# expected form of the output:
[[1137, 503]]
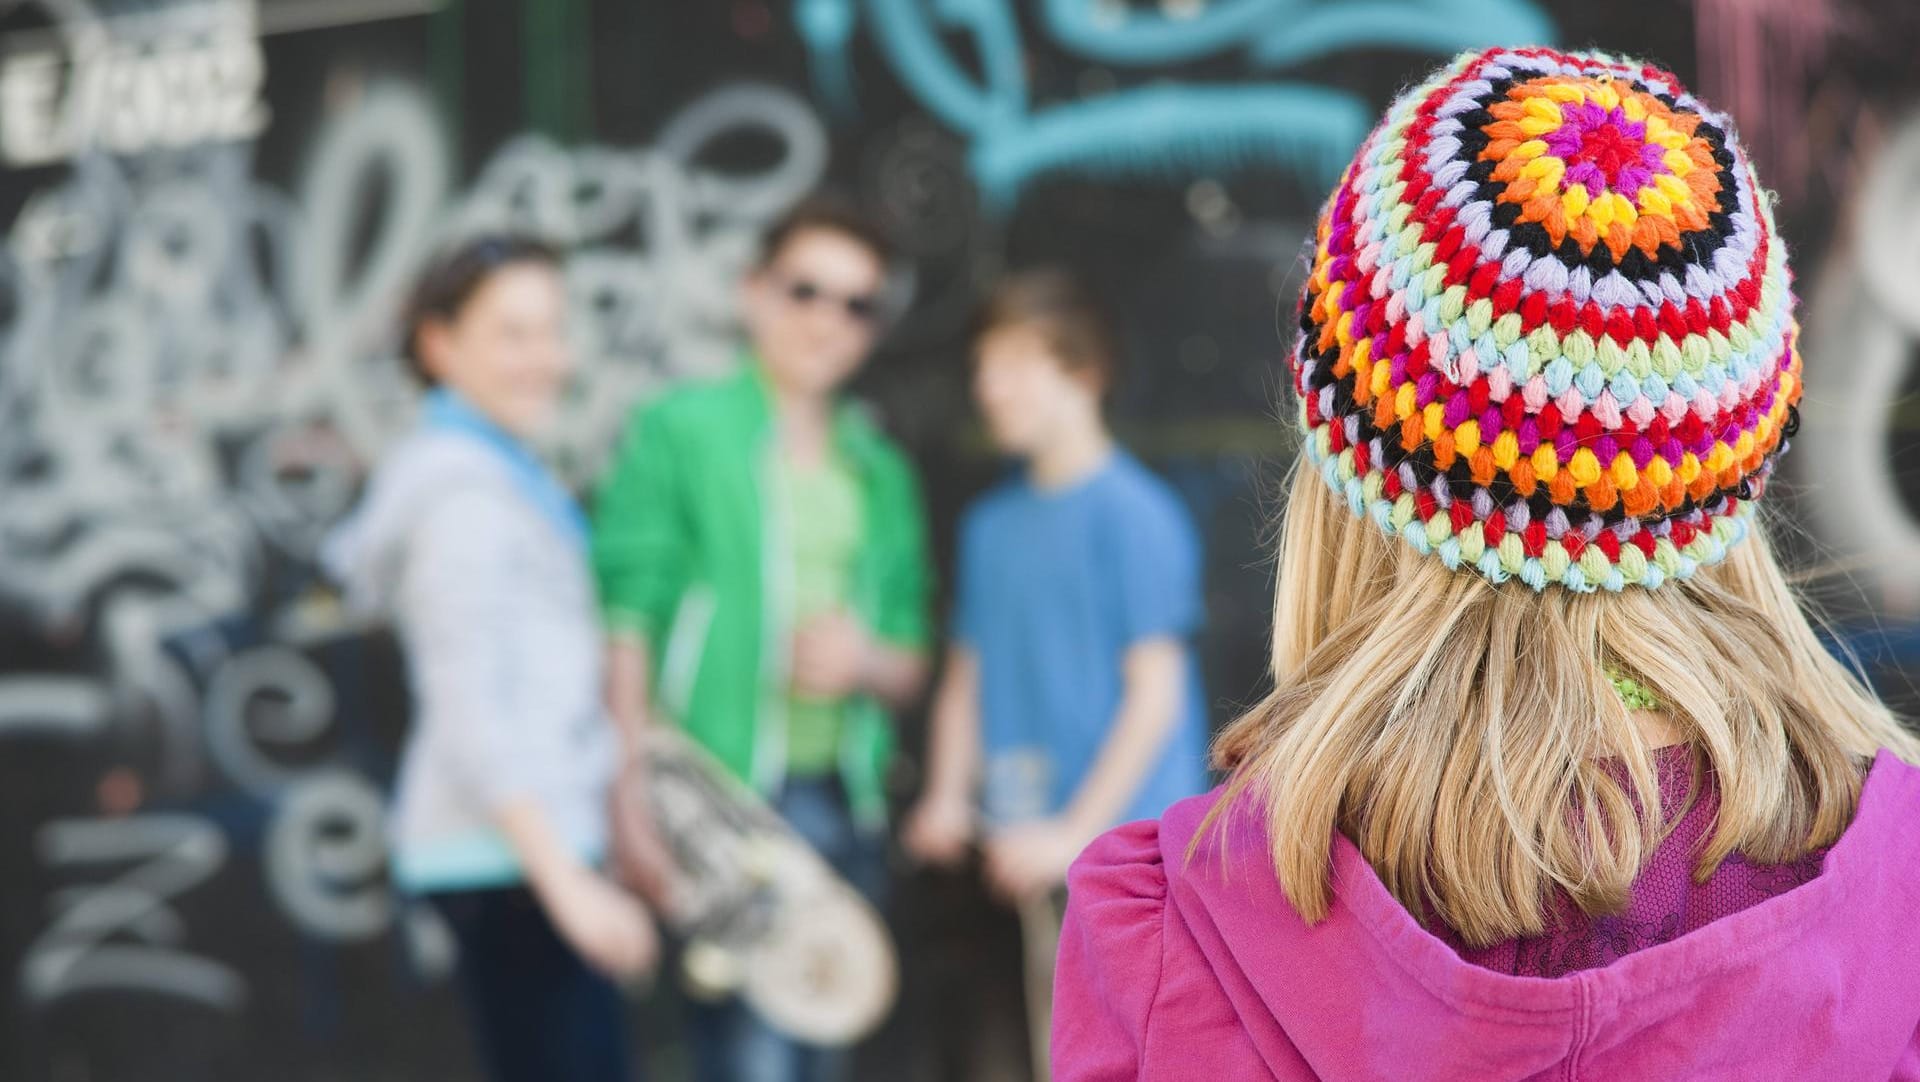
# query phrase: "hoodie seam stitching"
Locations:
[[1582, 1027], [1159, 972]]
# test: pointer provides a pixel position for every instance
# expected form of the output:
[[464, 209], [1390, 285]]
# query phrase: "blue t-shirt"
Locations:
[[1054, 586]]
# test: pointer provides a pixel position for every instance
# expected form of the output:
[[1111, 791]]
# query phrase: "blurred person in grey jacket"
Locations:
[[477, 554]]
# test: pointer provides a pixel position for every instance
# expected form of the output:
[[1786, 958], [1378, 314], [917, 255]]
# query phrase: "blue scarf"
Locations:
[[446, 411]]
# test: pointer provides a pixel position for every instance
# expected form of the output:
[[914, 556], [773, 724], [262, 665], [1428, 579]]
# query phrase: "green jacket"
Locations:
[[687, 546]]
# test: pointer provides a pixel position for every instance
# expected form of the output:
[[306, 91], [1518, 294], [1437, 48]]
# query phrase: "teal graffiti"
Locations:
[[827, 28], [912, 45], [1158, 129], [1277, 33], [1175, 132]]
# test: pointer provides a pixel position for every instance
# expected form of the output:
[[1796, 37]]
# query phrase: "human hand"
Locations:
[[609, 928], [939, 828], [832, 655], [1031, 858]]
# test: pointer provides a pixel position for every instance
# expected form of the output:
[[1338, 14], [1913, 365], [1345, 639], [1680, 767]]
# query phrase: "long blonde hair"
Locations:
[[1459, 732]]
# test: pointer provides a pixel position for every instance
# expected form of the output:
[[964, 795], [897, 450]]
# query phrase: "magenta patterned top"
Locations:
[[1666, 903]]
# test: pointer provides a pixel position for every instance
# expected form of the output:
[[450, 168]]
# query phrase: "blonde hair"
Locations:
[[1460, 732]]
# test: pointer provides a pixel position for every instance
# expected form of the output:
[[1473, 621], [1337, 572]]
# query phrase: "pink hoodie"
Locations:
[[1200, 971]]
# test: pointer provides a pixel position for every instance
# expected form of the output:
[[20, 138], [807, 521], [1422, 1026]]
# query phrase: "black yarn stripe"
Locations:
[[1460, 482], [1695, 247]]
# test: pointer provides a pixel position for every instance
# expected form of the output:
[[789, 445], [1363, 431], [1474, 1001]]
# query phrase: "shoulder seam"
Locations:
[[1582, 1030], [1160, 964]]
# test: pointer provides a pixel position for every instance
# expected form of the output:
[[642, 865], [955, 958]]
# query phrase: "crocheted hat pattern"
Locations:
[[1548, 333]]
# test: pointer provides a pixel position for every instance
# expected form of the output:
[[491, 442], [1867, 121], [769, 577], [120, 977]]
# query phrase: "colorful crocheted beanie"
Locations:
[[1548, 333]]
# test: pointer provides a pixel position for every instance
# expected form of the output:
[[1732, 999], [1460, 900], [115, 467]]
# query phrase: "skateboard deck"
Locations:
[[763, 916]]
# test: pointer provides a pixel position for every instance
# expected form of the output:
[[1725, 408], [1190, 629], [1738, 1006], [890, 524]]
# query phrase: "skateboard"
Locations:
[[762, 915]]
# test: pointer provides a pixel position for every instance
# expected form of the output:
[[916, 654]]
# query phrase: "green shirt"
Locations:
[[825, 525]]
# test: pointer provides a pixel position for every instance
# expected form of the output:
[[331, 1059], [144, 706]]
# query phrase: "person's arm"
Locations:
[[835, 656], [941, 823], [1033, 857], [629, 665], [640, 548], [1155, 673], [464, 591], [895, 675], [1111, 958], [897, 664], [463, 599], [605, 924]]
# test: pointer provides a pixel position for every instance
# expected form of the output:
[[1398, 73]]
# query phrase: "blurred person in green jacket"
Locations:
[[761, 550]]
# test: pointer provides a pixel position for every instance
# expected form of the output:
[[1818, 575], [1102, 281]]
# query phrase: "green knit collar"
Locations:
[[1633, 694]]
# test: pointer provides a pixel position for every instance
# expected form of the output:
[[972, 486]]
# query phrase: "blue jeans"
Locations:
[[731, 1043]]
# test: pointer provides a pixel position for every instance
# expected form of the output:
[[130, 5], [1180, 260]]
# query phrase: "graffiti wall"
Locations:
[[211, 209]]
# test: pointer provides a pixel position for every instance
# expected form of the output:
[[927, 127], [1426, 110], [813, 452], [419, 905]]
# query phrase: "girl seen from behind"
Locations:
[[1556, 780]]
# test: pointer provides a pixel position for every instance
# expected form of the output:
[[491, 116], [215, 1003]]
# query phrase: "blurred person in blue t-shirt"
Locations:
[[1071, 699]]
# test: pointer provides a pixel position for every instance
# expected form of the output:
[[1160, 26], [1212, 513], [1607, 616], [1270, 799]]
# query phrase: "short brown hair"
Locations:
[[454, 275], [1054, 304], [826, 212]]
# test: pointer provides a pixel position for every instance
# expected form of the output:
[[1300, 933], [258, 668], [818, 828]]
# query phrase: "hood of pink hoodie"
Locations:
[[1822, 981]]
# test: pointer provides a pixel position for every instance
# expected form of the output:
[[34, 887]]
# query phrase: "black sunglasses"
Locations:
[[860, 307]]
